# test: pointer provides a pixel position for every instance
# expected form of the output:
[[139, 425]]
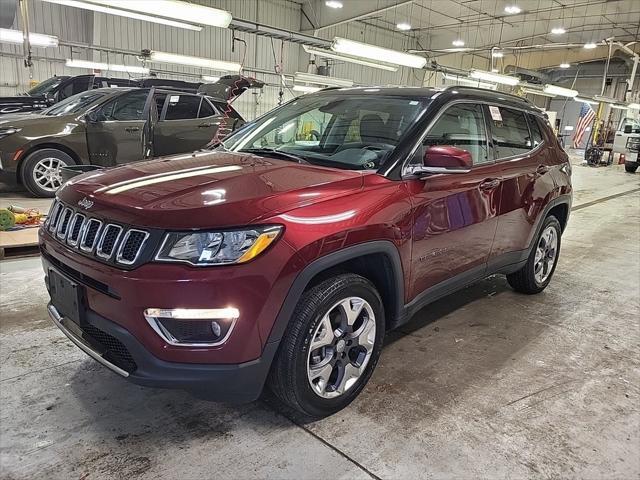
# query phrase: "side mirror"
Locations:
[[92, 116], [444, 159]]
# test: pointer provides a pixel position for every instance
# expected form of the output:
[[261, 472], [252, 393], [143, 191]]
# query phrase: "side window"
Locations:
[[182, 107], [206, 110], [461, 126], [510, 132], [129, 106], [536, 133]]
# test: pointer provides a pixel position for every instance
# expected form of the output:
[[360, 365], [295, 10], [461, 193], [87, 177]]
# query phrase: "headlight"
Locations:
[[5, 132], [217, 248]]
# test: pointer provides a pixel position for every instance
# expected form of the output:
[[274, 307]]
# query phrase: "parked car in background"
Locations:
[[627, 142], [56, 89], [107, 127], [282, 256]]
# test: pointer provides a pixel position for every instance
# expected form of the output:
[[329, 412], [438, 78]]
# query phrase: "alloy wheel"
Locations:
[[341, 347], [546, 252], [47, 175]]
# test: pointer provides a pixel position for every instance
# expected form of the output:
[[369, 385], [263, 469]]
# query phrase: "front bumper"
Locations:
[[118, 350]]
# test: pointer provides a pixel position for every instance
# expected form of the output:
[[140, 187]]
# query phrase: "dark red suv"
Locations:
[[283, 255]]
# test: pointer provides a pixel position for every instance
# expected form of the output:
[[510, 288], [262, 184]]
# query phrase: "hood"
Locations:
[[206, 190], [12, 105]]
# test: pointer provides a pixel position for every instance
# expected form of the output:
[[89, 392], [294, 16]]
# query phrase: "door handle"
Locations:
[[490, 184], [132, 129], [542, 169]]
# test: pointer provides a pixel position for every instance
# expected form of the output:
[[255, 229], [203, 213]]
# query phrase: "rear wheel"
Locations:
[[41, 171], [331, 347], [537, 272]]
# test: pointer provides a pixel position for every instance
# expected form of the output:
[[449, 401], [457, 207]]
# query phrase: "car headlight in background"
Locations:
[[5, 132], [217, 248]]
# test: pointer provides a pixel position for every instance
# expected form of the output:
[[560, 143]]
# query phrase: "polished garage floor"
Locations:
[[485, 383]]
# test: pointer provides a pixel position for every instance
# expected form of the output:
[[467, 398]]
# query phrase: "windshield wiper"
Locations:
[[275, 152]]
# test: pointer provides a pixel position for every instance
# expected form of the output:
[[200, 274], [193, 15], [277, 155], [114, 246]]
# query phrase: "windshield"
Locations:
[[73, 104], [46, 86], [345, 131]]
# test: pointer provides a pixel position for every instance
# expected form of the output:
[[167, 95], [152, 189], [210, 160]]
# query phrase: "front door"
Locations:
[[117, 133], [454, 214], [188, 123]]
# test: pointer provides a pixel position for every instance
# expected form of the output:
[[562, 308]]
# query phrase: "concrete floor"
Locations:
[[485, 383]]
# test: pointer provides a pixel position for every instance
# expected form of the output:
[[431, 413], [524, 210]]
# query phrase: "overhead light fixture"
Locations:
[[634, 106], [496, 54], [619, 106], [165, 57], [322, 80], [404, 26], [512, 9], [590, 46], [305, 88], [209, 78], [358, 49], [533, 91], [345, 58], [74, 63], [560, 91], [603, 99], [558, 31], [469, 81], [494, 77], [333, 4], [585, 100], [35, 39], [458, 43], [565, 65]]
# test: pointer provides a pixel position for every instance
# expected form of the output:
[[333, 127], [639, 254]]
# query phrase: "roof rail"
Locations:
[[484, 90]]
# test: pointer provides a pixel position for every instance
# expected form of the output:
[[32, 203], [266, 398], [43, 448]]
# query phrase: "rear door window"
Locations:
[[206, 110], [182, 107], [510, 132]]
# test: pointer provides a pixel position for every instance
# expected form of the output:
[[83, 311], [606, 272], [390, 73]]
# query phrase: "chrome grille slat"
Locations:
[[107, 242]]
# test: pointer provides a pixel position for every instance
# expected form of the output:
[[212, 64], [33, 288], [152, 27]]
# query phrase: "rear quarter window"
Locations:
[[510, 132]]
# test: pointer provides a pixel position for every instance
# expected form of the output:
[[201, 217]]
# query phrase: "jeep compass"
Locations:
[[281, 256]]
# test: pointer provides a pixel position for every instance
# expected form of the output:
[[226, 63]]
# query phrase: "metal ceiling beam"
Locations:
[[278, 33]]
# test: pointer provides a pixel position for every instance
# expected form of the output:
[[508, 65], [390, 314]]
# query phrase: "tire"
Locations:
[[290, 377], [38, 165], [530, 279], [631, 167]]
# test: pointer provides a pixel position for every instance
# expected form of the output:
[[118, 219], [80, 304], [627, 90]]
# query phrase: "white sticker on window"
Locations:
[[495, 113], [174, 98]]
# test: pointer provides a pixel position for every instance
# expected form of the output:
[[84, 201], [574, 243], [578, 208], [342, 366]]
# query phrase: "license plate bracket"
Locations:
[[67, 296]]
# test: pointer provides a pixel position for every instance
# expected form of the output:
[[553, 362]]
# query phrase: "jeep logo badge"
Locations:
[[85, 203]]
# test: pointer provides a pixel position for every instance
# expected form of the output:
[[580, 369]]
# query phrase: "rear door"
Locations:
[[187, 123], [527, 181], [117, 132], [454, 214]]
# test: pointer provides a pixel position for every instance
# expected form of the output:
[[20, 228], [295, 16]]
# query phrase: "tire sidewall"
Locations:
[[549, 221], [30, 163], [315, 404]]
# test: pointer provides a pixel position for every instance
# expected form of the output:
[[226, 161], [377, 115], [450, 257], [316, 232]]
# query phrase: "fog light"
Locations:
[[193, 327]]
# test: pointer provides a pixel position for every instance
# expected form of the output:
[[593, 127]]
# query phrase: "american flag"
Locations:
[[584, 120]]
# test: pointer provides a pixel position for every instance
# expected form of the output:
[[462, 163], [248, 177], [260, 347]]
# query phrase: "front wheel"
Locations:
[[537, 272], [331, 347], [631, 167], [41, 171]]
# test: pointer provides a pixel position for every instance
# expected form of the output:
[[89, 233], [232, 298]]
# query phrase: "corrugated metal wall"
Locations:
[[108, 31]]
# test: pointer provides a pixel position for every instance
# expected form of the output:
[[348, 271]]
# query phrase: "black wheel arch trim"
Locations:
[[330, 260]]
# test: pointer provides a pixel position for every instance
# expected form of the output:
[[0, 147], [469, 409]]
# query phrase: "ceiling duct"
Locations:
[[529, 76], [8, 10]]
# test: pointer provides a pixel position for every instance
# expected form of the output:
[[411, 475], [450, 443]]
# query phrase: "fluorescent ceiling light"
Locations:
[[322, 80], [495, 54], [603, 99], [458, 43], [558, 31], [35, 39], [165, 57], [533, 91], [560, 91], [568, 128], [635, 106], [619, 107], [358, 49], [565, 65], [345, 58], [469, 81], [125, 13], [585, 100], [174, 9], [494, 77], [73, 63], [305, 88], [590, 45], [512, 9], [404, 26], [333, 4], [209, 78]]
